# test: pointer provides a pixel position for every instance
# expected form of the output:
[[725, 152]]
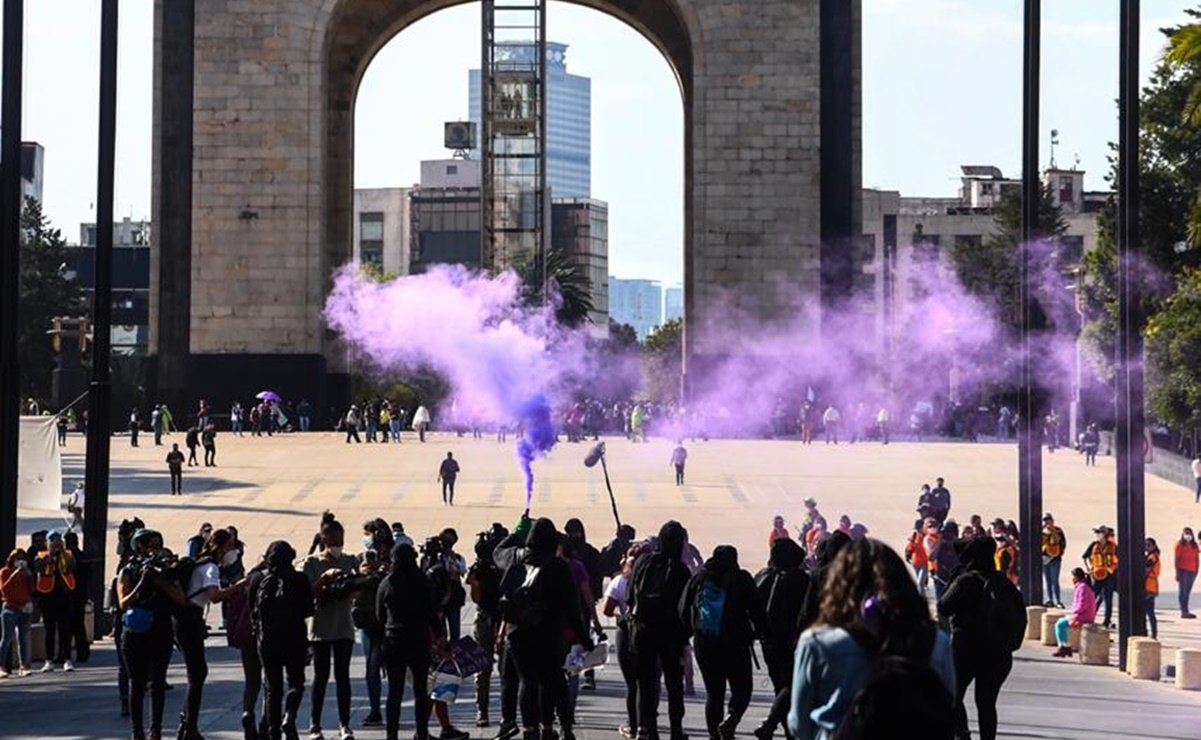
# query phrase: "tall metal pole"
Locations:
[[10, 266], [1030, 469], [1129, 385], [95, 518]]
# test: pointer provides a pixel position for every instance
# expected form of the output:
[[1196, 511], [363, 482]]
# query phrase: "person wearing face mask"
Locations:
[[239, 632], [1101, 560], [201, 587], [281, 598], [1054, 544], [1007, 551], [377, 546], [331, 630], [55, 584], [1186, 570], [16, 606]]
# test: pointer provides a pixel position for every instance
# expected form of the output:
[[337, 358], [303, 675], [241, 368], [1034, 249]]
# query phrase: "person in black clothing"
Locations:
[[613, 554], [175, 467], [781, 587], [940, 501], [657, 583], [281, 599], [146, 595], [447, 473], [406, 606], [79, 597], [208, 438], [509, 555], [979, 656], [483, 580], [542, 613], [590, 557], [723, 635], [825, 551], [192, 440]]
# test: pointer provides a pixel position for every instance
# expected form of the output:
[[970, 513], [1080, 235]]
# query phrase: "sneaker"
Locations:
[[24, 672], [508, 731], [481, 720], [1059, 605], [1189, 615], [345, 733], [1062, 652], [3, 673], [315, 733], [763, 732], [453, 733], [67, 666], [627, 732], [47, 667], [373, 719]]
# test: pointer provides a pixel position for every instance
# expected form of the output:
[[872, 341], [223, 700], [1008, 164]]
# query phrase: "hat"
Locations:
[[142, 534], [1047, 517], [999, 522], [810, 501], [53, 534], [1101, 528]]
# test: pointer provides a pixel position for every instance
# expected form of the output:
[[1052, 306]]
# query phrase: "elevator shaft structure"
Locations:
[[515, 198]]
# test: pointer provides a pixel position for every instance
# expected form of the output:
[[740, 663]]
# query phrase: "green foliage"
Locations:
[[566, 279], [1183, 58], [1173, 350], [622, 336], [45, 294], [662, 361], [376, 273]]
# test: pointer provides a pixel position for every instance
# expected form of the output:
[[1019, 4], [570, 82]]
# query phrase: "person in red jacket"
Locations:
[[915, 553], [16, 599], [1186, 569]]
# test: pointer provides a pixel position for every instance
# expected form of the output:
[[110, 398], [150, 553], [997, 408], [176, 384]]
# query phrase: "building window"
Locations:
[[371, 227], [452, 169]]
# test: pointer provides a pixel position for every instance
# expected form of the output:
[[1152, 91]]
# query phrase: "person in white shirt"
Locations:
[[616, 604], [75, 506], [1197, 477], [830, 421]]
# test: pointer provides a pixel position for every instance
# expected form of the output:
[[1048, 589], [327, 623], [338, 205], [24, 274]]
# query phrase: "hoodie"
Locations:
[[826, 550], [782, 587], [963, 599], [405, 604], [657, 583], [281, 627], [553, 596], [742, 616]]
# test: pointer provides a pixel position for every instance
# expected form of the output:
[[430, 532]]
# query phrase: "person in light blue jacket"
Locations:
[[870, 610]]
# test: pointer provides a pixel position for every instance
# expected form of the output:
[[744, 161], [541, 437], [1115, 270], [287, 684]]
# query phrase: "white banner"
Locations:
[[39, 466]]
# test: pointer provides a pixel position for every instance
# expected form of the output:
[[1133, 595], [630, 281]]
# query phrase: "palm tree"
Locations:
[[1184, 50], [566, 284]]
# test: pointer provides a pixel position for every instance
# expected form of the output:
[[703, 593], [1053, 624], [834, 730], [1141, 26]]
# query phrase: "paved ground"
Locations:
[[277, 487]]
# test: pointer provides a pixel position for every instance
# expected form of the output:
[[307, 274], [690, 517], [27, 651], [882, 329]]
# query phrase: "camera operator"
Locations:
[[280, 600], [55, 586], [331, 632], [446, 568], [202, 586], [377, 547], [484, 581], [147, 593], [407, 607], [125, 552]]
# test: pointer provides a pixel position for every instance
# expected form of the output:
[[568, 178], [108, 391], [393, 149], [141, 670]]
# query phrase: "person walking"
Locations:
[[281, 600], [156, 424], [353, 418], [1091, 442], [679, 456], [1152, 567], [1186, 562], [781, 589], [421, 422], [1101, 559], [16, 608], [75, 507], [208, 438], [175, 469], [1196, 466], [405, 606], [331, 631], [1084, 611], [55, 587], [448, 471], [616, 605], [882, 419], [192, 440], [981, 638], [658, 634], [135, 423], [723, 612], [872, 615], [830, 421], [1054, 543], [940, 501]]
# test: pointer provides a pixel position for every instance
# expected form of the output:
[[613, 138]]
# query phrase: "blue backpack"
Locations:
[[710, 606]]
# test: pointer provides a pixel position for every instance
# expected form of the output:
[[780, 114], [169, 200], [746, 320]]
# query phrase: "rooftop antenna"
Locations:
[[1075, 162], [1054, 143]]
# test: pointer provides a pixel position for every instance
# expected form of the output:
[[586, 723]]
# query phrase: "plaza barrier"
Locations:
[[1094, 644], [1143, 658], [1188, 669], [1047, 626], [1034, 622]]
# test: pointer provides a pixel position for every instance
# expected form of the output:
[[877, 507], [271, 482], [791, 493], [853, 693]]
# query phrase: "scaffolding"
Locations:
[[514, 195]]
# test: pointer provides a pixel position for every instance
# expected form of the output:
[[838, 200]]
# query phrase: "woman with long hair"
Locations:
[[1152, 584], [405, 606], [870, 614], [1186, 561]]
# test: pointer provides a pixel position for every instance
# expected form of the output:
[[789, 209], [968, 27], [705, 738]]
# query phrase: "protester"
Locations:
[[1054, 544], [870, 612], [447, 473], [79, 597], [915, 551], [16, 607], [812, 518], [483, 583], [1186, 562], [406, 607], [377, 544], [617, 606], [1101, 558], [175, 468], [940, 501], [590, 558], [192, 440], [208, 438], [1152, 566], [778, 531], [281, 600], [781, 588], [1084, 611], [55, 587], [239, 633], [331, 631]]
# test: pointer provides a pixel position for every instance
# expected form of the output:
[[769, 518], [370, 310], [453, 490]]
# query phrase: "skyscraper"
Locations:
[[568, 124], [638, 303]]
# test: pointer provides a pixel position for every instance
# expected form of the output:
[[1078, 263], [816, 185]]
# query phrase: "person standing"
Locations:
[[156, 424], [134, 423], [1091, 442], [405, 606], [281, 600], [882, 424], [16, 607], [830, 420], [915, 551], [447, 473], [55, 585], [304, 412], [616, 605], [657, 582], [724, 614], [1152, 566], [376, 540], [60, 425], [331, 630], [981, 654], [1101, 559], [208, 438], [75, 506], [352, 424], [483, 583], [421, 422], [940, 501], [175, 468], [1186, 563], [778, 531], [192, 440], [1196, 466], [811, 519], [1054, 543], [679, 456], [235, 419], [781, 588]]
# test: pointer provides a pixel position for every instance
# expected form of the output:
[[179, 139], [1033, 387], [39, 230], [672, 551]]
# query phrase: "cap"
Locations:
[[1101, 528], [54, 534], [999, 522], [1047, 517], [142, 534], [810, 501]]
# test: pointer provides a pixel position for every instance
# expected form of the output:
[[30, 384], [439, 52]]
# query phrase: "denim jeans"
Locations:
[[1150, 609], [373, 653], [14, 621], [304, 423], [1051, 576], [1063, 629], [1187, 578]]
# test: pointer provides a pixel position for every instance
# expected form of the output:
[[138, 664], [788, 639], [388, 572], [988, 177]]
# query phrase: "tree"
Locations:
[[46, 293], [990, 269], [1173, 348], [622, 336], [1183, 56], [566, 285], [663, 353]]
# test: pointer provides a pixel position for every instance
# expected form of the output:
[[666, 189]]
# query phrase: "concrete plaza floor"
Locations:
[[277, 487]]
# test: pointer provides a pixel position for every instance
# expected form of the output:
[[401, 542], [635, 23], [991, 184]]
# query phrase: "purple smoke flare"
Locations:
[[537, 438]]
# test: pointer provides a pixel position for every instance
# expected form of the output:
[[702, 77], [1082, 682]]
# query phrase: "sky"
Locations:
[[941, 88]]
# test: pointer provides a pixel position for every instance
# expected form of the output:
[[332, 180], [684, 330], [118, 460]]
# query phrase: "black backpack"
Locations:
[[272, 605], [772, 586], [523, 605], [654, 597], [1004, 611], [899, 693]]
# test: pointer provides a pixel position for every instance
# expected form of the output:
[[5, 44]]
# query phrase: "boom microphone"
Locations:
[[595, 455]]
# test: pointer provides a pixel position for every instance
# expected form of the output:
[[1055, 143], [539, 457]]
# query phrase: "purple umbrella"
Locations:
[[268, 396]]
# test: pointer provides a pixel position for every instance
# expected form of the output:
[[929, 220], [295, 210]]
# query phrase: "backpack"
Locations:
[[652, 603], [899, 693], [771, 587], [272, 604], [523, 606], [1004, 611], [709, 606]]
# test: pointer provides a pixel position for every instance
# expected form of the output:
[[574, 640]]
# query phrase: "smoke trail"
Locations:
[[537, 438]]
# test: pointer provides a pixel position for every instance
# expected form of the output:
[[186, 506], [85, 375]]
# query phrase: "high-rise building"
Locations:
[[673, 303], [580, 228], [568, 123], [131, 281], [381, 228], [444, 213], [638, 303]]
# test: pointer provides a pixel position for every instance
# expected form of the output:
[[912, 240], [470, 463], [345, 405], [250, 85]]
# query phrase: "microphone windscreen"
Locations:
[[595, 455]]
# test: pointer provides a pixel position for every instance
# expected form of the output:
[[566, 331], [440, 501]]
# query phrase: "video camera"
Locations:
[[486, 541], [125, 532]]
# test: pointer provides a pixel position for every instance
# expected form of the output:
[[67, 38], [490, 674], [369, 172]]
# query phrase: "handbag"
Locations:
[[445, 685], [467, 657], [138, 620]]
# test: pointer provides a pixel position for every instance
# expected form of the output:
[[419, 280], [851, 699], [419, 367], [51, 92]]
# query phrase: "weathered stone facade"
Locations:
[[271, 167]]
